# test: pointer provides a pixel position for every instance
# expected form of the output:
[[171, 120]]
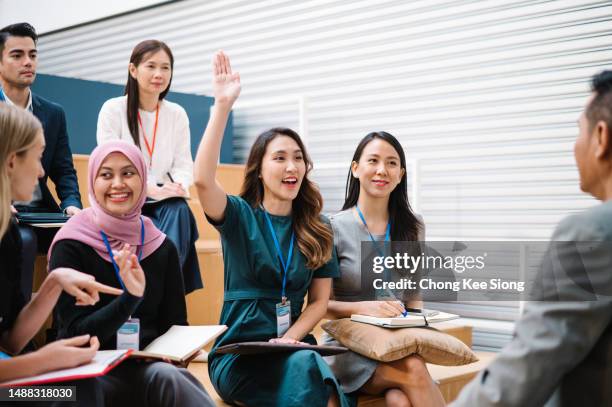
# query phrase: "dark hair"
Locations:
[[131, 87], [600, 107], [314, 237], [405, 226], [16, 30]]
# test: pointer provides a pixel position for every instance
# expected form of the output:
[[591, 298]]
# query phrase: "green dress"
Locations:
[[253, 282]]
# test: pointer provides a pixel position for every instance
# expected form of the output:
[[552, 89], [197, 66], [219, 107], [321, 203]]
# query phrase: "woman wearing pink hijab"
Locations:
[[113, 242]]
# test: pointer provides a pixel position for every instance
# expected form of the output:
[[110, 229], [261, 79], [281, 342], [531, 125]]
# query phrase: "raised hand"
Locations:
[[82, 286], [130, 271], [67, 353], [225, 84]]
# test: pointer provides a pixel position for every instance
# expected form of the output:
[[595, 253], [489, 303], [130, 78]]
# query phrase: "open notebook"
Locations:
[[101, 364], [410, 320], [180, 343]]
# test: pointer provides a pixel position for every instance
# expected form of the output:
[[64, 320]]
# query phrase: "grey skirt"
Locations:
[[351, 369]]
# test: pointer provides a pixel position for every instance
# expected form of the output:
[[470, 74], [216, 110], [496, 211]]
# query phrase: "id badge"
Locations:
[[283, 317], [128, 336]]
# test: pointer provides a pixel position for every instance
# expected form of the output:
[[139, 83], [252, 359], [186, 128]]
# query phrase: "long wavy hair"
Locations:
[[140, 51], [314, 236], [18, 131], [405, 226]]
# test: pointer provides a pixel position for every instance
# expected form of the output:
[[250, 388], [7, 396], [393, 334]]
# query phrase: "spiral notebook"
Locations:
[[410, 320]]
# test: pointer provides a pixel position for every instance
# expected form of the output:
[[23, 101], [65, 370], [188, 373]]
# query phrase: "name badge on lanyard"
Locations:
[[283, 308], [128, 335]]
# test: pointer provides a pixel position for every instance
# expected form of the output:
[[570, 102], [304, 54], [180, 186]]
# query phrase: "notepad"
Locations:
[[102, 363], [180, 343], [410, 320]]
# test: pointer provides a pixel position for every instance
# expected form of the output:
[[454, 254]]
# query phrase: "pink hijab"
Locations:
[[85, 227]]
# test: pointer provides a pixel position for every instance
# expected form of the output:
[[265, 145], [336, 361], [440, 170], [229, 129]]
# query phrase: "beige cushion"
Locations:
[[386, 345]]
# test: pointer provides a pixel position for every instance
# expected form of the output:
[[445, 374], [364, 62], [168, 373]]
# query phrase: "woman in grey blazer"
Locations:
[[376, 208]]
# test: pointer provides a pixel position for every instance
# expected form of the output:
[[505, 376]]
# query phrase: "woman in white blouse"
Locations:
[[160, 129]]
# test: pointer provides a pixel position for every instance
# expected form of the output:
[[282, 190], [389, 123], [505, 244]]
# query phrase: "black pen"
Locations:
[[170, 176]]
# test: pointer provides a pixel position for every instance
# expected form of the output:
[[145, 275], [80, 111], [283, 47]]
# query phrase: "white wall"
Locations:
[[52, 15]]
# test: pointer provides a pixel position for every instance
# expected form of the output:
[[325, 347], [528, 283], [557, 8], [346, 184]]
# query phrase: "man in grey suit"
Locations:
[[561, 352]]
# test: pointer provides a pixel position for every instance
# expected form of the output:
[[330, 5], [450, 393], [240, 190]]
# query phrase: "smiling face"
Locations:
[[379, 169], [19, 61], [282, 169], [153, 73], [25, 169], [117, 186]]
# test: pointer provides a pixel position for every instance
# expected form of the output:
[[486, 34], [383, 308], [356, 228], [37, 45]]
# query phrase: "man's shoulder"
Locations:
[[593, 224], [42, 103]]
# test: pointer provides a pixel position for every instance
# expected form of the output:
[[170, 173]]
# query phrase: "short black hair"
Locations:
[[17, 30], [600, 108]]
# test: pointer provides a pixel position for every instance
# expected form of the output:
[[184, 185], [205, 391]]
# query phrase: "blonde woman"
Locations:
[[21, 147]]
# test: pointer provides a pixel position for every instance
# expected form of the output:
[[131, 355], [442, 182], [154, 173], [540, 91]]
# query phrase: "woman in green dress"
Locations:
[[276, 249]]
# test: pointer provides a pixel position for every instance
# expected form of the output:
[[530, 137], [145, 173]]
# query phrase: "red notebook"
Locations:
[[102, 363]]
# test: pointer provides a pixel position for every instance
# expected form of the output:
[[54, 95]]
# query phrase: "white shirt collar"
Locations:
[[10, 102]]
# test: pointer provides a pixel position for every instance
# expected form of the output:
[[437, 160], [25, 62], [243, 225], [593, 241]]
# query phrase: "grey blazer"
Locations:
[[561, 352]]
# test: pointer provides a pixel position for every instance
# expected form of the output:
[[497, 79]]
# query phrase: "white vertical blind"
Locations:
[[483, 95]]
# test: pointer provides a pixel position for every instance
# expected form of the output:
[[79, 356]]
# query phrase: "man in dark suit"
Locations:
[[561, 352], [18, 61]]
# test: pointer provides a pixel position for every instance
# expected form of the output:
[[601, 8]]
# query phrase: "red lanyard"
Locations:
[[150, 148]]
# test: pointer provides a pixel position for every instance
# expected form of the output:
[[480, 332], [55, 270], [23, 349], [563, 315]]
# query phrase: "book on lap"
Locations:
[[410, 320], [180, 343], [254, 348], [102, 363]]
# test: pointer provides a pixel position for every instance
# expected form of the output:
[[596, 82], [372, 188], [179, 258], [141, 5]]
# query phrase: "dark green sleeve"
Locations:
[[231, 215], [331, 269]]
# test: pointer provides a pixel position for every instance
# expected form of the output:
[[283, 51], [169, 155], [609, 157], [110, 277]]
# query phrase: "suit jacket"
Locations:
[[57, 157], [561, 352]]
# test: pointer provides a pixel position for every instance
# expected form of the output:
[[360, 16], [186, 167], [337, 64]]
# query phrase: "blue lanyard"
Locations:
[[387, 233], [280, 253], [112, 257]]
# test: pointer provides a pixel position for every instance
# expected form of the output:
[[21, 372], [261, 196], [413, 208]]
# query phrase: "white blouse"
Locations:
[[172, 153]]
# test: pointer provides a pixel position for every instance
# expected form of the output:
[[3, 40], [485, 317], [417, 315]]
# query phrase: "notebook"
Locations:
[[44, 220], [180, 343], [102, 363], [410, 320], [253, 348]]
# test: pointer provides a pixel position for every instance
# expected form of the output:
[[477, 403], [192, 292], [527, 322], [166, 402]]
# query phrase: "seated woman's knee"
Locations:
[[396, 398], [416, 370]]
